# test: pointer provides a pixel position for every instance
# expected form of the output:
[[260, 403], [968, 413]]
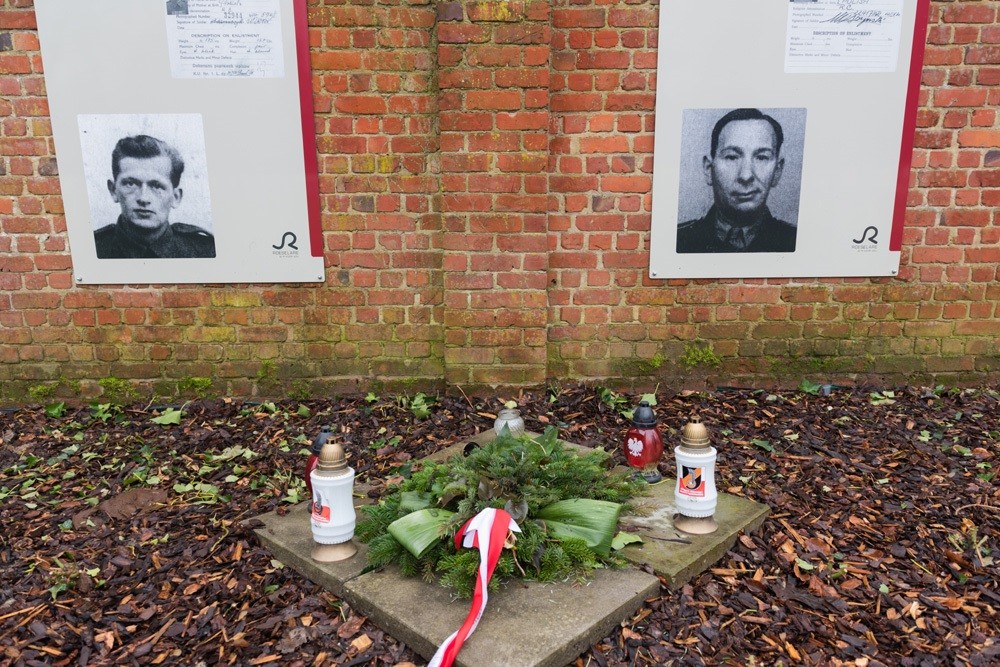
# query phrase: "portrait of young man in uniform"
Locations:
[[146, 184], [744, 163]]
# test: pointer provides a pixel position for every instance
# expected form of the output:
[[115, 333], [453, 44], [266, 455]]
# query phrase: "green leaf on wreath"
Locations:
[[411, 501], [622, 539], [592, 521], [418, 531], [548, 440]]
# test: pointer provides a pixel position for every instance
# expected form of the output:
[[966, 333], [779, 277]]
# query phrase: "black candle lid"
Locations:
[[643, 416], [320, 440]]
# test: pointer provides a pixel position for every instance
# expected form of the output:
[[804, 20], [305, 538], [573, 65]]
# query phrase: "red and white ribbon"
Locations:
[[487, 531]]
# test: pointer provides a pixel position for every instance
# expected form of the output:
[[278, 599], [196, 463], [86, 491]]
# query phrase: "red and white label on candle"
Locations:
[[320, 513], [692, 482]]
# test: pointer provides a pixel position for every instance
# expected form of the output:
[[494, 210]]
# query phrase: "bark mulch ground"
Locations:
[[121, 538]]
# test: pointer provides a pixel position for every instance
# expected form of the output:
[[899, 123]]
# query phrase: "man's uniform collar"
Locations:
[[739, 237], [154, 244]]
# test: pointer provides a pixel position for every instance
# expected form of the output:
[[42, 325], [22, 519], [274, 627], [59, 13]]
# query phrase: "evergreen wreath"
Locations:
[[565, 502]]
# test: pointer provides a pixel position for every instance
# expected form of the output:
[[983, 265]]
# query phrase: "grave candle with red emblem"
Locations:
[[643, 444]]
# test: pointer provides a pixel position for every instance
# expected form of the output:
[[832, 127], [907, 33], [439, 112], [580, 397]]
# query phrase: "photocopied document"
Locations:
[[224, 38], [843, 36]]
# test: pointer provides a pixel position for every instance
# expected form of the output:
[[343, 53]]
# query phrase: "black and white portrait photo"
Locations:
[[740, 180], [146, 178], [177, 7]]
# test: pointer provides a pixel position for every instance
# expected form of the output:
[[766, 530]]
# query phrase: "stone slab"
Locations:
[[525, 624], [676, 556], [289, 538]]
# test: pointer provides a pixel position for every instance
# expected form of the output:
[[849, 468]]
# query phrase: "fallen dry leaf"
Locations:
[[362, 643], [350, 627], [861, 494]]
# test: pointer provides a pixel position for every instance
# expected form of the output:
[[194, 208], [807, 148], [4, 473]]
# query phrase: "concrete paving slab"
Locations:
[[678, 556], [532, 625], [289, 538], [525, 624]]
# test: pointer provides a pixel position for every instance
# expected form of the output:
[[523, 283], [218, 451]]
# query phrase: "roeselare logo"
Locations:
[[868, 241], [287, 246]]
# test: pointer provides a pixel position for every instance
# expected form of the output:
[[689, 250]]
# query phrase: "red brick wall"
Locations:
[[485, 182], [493, 83]]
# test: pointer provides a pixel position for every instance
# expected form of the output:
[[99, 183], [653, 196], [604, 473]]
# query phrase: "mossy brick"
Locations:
[[134, 371], [803, 294], [244, 299], [951, 347], [105, 353], [905, 364], [403, 368], [701, 295], [201, 334], [510, 376], [262, 334], [35, 372], [522, 356], [780, 330], [724, 330], [826, 330], [509, 11], [133, 352], [987, 363], [928, 329], [344, 368], [978, 328], [753, 294], [189, 371], [237, 369], [942, 364], [982, 346], [185, 298]]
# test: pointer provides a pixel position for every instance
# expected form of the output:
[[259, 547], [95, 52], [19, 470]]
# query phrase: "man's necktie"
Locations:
[[736, 238]]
